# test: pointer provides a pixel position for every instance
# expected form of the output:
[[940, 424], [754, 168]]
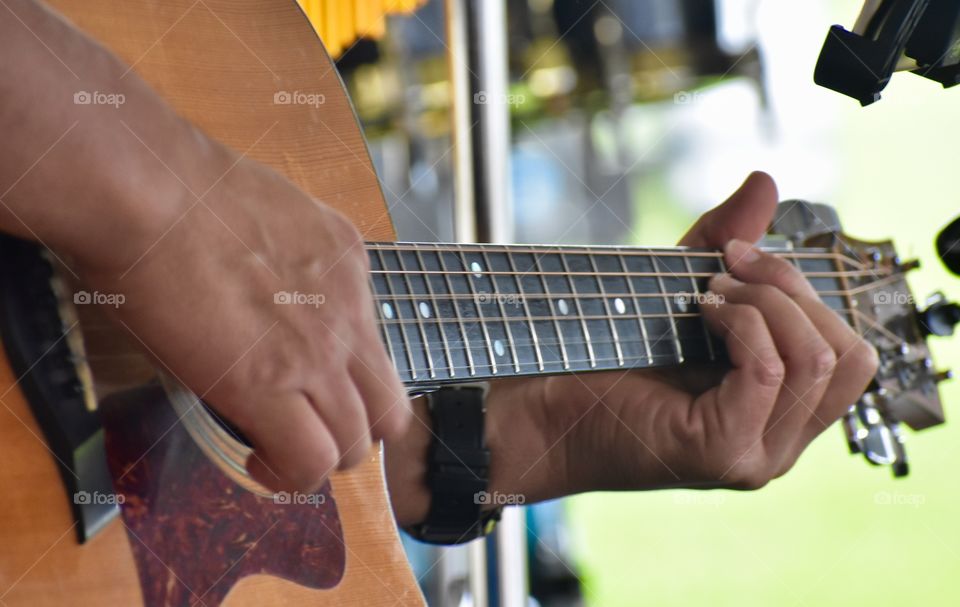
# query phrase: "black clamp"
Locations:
[[458, 469]]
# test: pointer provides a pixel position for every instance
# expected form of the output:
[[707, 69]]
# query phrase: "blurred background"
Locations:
[[629, 118]]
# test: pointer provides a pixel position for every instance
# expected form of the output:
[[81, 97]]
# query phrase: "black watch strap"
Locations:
[[458, 469]]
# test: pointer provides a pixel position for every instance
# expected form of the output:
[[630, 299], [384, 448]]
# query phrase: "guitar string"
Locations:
[[526, 319], [695, 293], [503, 296], [812, 253], [667, 274]]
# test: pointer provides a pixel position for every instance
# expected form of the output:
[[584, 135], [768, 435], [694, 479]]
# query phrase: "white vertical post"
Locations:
[[465, 230], [495, 209], [483, 211]]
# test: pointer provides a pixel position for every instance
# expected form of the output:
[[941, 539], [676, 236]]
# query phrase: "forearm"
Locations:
[[90, 152]]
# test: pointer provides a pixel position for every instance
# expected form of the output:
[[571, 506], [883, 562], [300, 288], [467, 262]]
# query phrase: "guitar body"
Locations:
[[220, 64]]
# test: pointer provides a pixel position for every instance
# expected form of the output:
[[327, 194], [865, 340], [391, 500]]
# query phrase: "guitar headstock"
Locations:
[[878, 303]]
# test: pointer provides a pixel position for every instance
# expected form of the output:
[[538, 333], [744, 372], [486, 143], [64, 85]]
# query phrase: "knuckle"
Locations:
[[347, 237], [866, 358], [281, 371], [356, 454], [767, 293], [393, 422], [745, 318], [769, 369], [749, 473], [782, 272], [311, 472], [821, 361]]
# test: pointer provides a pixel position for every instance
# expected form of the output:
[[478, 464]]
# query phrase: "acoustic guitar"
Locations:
[[121, 488]]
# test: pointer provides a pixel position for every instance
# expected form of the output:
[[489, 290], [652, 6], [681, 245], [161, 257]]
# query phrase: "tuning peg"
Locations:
[[940, 376], [940, 316], [880, 440], [909, 265]]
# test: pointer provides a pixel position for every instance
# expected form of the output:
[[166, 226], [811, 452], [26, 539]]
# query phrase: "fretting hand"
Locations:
[[795, 369]]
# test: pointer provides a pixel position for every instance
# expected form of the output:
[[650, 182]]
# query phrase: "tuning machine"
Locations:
[[875, 435]]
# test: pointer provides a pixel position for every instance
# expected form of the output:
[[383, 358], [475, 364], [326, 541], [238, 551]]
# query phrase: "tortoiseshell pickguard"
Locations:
[[194, 533]]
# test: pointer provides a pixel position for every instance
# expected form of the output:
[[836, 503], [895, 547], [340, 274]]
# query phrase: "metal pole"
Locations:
[[491, 120], [491, 159], [483, 212], [465, 230], [458, 60]]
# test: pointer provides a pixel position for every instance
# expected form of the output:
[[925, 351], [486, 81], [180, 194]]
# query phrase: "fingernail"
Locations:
[[740, 251]]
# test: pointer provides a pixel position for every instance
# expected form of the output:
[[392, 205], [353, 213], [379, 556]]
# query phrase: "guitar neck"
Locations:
[[460, 313]]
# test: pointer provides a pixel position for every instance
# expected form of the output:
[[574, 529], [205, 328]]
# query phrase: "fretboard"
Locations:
[[462, 313]]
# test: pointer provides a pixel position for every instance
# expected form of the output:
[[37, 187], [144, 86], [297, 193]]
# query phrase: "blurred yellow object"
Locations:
[[341, 22]]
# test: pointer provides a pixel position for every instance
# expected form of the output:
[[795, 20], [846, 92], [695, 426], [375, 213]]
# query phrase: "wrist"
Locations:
[[525, 465], [528, 459]]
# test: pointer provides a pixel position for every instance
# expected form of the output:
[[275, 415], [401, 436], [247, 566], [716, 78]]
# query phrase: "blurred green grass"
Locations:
[[834, 531]]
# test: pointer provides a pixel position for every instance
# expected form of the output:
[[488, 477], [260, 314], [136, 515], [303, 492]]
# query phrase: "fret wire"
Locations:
[[506, 323], [583, 322], [639, 316], [386, 337], [417, 315], [810, 252], [436, 311], [483, 325], [456, 310], [403, 335], [703, 322], [666, 302], [840, 278], [556, 321], [671, 356], [526, 308], [686, 339], [667, 360], [654, 357], [383, 328], [606, 306]]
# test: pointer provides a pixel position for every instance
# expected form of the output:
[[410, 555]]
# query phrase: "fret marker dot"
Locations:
[[387, 310], [563, 307], [477, 268], [424, 309], [498, 347], [619, 305]]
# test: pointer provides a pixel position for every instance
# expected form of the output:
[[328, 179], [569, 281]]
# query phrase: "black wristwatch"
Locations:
[[458, 469]]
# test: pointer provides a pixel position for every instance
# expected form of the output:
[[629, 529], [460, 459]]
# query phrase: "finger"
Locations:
[[293, 449], [338, 403], [386, 400], [856, 358], [745, 215], [751, 265], [808, 358], [745, 398]]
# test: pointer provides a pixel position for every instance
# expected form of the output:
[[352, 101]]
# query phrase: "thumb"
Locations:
[[745, 215]]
